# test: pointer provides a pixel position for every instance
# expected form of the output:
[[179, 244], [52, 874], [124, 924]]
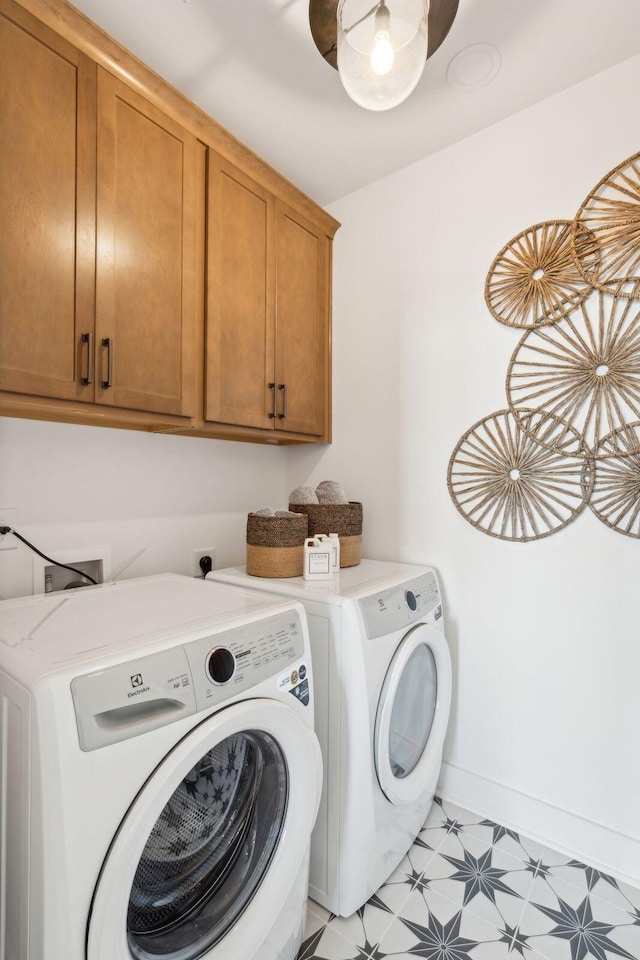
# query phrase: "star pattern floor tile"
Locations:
[[469, 889]]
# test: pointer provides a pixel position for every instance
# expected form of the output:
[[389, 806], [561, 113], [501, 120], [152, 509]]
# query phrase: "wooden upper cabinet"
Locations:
[[154, 273], [47, 209], [147, 191], [239, 360], [302, 348], [268, 296]]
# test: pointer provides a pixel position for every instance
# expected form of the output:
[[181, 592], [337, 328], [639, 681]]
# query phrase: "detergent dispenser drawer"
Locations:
[[132, 698]]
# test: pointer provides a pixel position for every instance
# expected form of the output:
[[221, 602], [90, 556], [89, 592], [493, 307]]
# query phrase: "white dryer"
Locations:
[[160, 773], [383, 689]]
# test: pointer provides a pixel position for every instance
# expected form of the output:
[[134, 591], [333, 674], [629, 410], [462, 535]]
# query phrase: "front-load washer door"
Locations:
[[217, 833], [412, 714]]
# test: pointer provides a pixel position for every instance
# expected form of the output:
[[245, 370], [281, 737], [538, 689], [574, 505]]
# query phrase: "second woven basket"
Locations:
[[345, 519]]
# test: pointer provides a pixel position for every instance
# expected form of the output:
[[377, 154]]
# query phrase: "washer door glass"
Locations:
[[209, 849]]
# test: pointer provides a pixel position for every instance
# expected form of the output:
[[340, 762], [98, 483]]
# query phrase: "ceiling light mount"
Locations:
[[323, 20]]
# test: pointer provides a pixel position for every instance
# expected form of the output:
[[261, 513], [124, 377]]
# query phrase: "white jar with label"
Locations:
[[317, 559]]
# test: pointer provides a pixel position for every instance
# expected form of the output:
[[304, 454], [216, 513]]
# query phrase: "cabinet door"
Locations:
[[240, 299], [47, 204], [302, 331], [147, 192]]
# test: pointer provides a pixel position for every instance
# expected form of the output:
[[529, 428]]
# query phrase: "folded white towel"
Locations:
[[330, 491], [303, 495], [264, 512]]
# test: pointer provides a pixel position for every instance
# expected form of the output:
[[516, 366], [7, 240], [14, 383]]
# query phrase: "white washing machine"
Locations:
[[160, 773], [383, 689]]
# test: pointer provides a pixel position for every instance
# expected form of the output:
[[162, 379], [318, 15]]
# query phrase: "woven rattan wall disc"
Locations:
[[510, 487], [584, 369], [534, 280], [612, 213], [616, 494]]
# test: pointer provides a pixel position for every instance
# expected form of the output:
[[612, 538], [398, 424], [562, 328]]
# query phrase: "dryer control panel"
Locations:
[[398, 607], [147, 692]]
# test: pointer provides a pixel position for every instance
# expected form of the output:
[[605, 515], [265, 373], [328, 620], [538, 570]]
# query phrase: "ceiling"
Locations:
[[252, 66]]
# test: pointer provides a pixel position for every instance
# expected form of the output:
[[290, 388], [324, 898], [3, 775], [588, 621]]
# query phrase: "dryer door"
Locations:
[[412, 714], [219, 831]]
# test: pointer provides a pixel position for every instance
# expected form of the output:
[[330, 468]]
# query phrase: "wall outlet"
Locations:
[[8, 519], [196, 570]]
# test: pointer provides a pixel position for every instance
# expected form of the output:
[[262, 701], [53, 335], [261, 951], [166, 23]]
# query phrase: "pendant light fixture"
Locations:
[[379, 48]]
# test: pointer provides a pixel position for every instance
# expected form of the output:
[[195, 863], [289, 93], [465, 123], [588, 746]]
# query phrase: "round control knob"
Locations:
[[410, 598], [221, 665]]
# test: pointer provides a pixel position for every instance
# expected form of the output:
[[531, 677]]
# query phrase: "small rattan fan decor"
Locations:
[[509, 486], [611, 213], [534, 280], [585, 369], [616, 493]]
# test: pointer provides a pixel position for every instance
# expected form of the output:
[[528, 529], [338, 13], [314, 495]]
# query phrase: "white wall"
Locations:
[[152, 499], [546, 718]]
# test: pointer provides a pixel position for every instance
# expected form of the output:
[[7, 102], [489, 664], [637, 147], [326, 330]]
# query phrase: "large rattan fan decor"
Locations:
[[611, 213], [534, 280], [572, 431], [509, 486], [586, 370]]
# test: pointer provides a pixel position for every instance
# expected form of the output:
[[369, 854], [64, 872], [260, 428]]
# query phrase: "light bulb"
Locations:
[[382, 55]]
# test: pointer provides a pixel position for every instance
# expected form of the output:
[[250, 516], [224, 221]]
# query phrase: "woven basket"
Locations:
[[275, 545], [345, 519]]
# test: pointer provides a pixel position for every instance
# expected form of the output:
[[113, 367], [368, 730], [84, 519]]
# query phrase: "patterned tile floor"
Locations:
[[469, 888]]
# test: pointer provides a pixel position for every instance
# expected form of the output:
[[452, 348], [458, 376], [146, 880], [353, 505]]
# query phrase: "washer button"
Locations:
[[411, 601]]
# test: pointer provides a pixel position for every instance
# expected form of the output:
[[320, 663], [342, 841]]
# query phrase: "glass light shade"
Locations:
[[382, 49]]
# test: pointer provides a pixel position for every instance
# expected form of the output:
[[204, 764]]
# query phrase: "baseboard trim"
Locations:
[[592, 843]]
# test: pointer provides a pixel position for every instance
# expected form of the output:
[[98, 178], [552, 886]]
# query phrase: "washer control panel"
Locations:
[[227, 663], [136, 696], [400, 606]]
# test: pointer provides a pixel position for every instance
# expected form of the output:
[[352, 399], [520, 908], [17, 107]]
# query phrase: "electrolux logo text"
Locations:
[[137, 681]]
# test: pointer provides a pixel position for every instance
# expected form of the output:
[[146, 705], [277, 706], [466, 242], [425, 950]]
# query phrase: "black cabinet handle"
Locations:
[[274, 411], [108, 343], [88, 339], [283, 387]]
